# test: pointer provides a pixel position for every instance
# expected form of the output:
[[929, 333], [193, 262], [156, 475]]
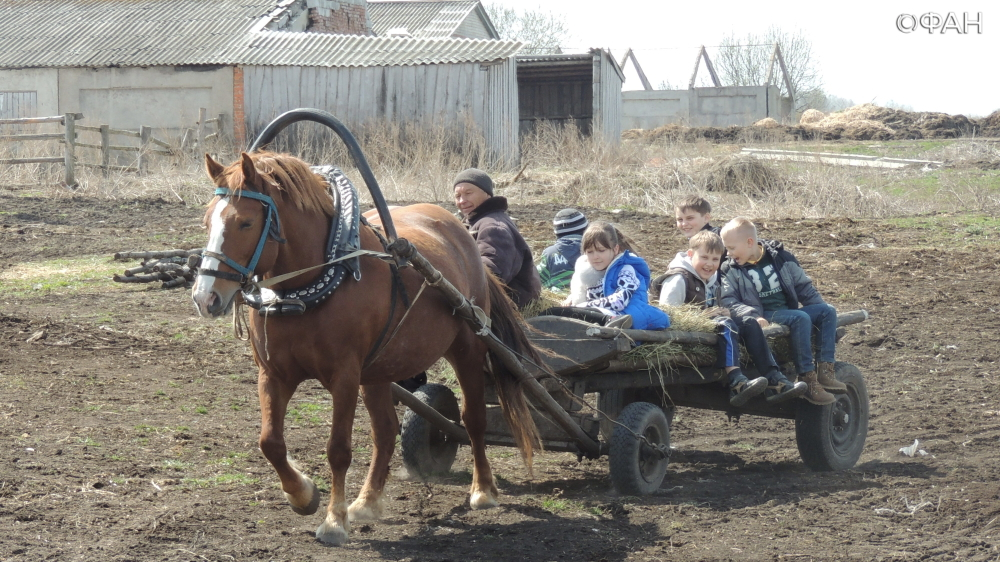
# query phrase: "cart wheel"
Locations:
[[832, 437], [636, 468], [427, 451], [611, 402]]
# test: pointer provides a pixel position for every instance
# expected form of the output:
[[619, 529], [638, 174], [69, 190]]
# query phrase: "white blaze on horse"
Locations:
[[272, 215]]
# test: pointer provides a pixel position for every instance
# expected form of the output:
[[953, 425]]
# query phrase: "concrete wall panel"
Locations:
[[700, 107], [43, 81], [161, 97]]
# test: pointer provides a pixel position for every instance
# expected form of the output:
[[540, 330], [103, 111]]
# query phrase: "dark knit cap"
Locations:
[[569, 221], [477, 178]]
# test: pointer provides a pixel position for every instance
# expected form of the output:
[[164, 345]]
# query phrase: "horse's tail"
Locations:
[[507, 324]]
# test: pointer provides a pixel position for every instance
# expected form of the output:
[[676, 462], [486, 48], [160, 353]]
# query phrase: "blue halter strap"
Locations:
[[272, 229]]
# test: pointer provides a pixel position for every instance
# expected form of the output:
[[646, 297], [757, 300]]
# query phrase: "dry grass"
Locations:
[[417, 162]]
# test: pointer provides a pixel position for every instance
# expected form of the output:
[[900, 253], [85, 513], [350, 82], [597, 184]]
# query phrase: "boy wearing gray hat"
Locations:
[[556, 268]]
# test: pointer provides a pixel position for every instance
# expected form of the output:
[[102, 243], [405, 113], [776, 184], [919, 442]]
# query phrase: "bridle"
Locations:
[[272, 229]]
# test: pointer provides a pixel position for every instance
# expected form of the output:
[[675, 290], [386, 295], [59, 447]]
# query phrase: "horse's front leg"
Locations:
[[299, 489], [336, 527], [385, 427]]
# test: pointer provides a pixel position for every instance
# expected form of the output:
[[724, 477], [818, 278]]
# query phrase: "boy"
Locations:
[[556, 268], [764, 282], [693, 214], [693, 278]]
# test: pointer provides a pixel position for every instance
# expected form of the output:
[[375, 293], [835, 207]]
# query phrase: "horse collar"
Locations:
[[344, 238]]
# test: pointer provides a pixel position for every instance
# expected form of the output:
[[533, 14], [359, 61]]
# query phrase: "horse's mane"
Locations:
[[284, 176]]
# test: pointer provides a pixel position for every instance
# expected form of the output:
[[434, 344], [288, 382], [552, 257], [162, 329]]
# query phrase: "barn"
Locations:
[[156, 62], [582, 89]]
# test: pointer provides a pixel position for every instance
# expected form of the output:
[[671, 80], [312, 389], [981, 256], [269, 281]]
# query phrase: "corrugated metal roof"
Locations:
[[315, 49], [420, 19], [101, 33]]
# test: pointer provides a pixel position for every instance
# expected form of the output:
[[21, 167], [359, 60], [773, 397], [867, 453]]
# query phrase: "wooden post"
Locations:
[[69, 120], [186, 139], [144, 134], [202, 115], [105, 151], [219, 128]]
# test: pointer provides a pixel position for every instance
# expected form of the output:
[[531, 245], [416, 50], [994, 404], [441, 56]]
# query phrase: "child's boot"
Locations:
[[828, 380], [742, 389], [780, 389], [816, 394]]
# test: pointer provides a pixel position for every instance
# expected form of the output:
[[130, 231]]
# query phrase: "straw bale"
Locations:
[[811, 116], [745, 175], [767, 123]]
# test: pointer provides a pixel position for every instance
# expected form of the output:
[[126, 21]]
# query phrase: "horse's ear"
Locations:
[[213, 168], [249, 170]]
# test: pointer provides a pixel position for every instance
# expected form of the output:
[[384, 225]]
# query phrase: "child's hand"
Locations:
[[567, 302], [763, 323], [718, 311]]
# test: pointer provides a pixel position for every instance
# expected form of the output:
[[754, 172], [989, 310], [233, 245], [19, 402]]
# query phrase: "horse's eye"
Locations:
[[245, 225]]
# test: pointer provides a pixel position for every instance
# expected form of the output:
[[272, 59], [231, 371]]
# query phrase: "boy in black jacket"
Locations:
[[763, 282]]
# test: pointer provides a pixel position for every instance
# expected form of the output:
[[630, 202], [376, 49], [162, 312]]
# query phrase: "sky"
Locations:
[[860, 52]]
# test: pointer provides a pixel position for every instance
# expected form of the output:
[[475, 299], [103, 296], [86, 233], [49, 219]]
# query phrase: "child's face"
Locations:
[[741, 250], [600, 257], [690, 222], [704, 263]]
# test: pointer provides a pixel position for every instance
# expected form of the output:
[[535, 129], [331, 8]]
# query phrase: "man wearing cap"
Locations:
[[556, 269], [501, 246]]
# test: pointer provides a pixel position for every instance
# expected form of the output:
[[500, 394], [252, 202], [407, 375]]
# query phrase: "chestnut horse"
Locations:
[[330, 343]]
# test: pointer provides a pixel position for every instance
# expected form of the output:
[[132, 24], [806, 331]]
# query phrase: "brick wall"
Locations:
[[345, 17], [239, 117]]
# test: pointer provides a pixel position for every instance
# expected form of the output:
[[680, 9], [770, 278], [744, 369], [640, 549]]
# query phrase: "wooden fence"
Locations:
[[193, 139]]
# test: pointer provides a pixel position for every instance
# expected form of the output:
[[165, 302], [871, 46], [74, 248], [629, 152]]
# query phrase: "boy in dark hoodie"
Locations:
[[693, 278], [763, 282], [693, 214]]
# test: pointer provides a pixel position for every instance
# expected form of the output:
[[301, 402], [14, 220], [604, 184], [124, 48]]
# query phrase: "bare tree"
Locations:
[[541, 32], [744, 62]]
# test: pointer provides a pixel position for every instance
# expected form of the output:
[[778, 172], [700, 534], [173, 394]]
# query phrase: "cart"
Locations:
[[635, 399], [635, 405]]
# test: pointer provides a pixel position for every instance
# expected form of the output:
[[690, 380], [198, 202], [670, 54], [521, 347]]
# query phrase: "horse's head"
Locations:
[[244, 233]]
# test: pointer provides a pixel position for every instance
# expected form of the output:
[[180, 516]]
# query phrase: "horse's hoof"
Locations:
[[313, 504], [331, 534], [483, 500], [361, 511]]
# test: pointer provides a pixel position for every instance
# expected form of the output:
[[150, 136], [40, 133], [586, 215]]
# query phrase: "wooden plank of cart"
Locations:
[[635, 402]]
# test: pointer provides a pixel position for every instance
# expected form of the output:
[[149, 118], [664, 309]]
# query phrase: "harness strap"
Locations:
[[286, 276], [373, 355]]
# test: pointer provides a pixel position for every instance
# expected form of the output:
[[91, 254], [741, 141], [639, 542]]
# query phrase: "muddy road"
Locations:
[[129, 425]]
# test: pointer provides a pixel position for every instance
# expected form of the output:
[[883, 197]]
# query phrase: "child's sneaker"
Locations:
[[781, 389], [623, 322], [742, 389]]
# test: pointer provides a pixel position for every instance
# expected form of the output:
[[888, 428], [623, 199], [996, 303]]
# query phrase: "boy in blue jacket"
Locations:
[[764, 282]]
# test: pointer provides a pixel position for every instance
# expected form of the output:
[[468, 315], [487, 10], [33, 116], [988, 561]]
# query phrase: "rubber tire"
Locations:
[[635, 471], [426, 450], [832, 437], [612, 402]]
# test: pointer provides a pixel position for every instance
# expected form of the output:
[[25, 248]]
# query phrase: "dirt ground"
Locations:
[[129, 425]]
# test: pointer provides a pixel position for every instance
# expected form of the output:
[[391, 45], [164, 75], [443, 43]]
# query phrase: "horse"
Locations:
[[271, 215]]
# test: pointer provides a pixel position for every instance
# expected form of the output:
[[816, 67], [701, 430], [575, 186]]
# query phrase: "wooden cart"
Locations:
[[636, 402]]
